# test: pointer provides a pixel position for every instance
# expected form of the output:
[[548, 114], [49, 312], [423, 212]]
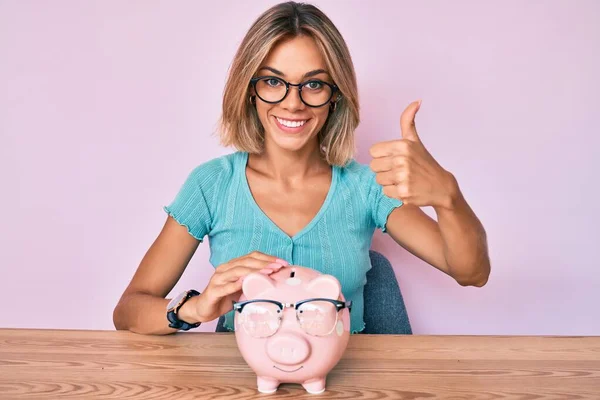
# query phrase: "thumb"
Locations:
[[407, 122]]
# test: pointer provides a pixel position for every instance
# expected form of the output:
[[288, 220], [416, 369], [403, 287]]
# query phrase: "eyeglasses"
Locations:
[[313, 93], [262, 318]]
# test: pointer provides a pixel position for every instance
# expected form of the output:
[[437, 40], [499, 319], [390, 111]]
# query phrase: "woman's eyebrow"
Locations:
[[306, 75]]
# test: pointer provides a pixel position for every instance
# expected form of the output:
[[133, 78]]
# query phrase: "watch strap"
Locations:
[[174, 321]]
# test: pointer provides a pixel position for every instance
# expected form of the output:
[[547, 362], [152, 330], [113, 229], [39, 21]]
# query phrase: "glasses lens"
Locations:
[[316, 93], [270, 89], [260, 319], [317, 318]]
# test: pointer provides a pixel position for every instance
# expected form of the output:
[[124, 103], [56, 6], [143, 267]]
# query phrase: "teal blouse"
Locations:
[[215, 201]]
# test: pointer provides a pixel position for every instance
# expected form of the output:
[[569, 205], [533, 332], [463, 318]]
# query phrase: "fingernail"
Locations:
[[274, 266], [266, 271], [241, 279], [282, 262]]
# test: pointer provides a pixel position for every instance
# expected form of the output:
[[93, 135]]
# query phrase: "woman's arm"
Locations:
[[456, 244], [143, 307]]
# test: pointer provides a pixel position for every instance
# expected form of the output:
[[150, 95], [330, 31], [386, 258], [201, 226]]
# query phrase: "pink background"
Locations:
[[105, 106]]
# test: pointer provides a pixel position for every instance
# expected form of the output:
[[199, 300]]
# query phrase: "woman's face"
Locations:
[[291, 124]]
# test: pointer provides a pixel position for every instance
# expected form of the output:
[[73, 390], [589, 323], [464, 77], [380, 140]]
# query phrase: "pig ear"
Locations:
[[325, 286], [254, 284]]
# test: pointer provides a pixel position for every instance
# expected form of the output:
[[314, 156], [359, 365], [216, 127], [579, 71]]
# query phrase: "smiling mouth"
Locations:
[[291, 126], [283, 370]]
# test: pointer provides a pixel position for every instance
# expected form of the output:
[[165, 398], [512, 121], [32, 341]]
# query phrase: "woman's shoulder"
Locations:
[[360, 179], [354, 170], [217, 168]]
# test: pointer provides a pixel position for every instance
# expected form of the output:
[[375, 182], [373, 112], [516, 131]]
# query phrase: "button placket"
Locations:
[[290, 251]]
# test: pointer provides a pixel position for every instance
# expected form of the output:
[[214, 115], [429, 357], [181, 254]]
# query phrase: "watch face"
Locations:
[[176, 300]]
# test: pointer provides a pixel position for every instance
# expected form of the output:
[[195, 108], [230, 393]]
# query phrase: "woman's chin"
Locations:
[[290, 143]]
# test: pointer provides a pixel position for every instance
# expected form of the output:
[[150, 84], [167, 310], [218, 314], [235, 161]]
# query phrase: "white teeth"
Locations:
[[291, 124]]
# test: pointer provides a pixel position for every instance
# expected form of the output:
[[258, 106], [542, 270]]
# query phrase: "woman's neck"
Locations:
[[282, 165]]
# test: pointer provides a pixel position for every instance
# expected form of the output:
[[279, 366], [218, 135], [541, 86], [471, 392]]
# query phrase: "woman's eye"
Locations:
[[272, 82], [314, 85]]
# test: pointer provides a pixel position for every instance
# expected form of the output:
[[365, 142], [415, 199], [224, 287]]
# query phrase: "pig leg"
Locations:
[[266, 384], [314, 386]]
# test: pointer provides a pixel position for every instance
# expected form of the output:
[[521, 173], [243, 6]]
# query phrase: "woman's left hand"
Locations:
[[408, 172]]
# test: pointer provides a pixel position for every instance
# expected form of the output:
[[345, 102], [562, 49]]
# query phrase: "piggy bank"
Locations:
[[292, 327]]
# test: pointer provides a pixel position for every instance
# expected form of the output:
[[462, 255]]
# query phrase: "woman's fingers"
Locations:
[[255, 260], [234, 274], [228, 288]]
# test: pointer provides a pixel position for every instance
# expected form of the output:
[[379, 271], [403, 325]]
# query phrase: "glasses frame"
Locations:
[[334, 89], [339, 305]]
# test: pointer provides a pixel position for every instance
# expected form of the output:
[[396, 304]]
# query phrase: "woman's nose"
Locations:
[[292, 101]]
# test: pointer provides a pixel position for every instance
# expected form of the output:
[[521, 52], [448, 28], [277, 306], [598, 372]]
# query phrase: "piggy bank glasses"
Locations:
[[262, 318]]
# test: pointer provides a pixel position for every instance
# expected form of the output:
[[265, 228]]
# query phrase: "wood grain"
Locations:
[[51, 364]]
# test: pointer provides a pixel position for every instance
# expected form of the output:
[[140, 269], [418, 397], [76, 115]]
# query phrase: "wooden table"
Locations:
[[52, 364]]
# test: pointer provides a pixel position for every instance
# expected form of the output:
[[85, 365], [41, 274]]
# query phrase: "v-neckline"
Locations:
[[311, 223]]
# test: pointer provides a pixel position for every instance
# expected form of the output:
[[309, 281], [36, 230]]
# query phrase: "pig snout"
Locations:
[[288, 349]]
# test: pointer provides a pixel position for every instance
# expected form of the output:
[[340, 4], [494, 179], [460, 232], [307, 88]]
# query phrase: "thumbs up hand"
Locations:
[[408, 172]]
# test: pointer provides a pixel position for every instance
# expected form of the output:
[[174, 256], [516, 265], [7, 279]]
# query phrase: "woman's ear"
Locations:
[[334, 102], [251, 91]]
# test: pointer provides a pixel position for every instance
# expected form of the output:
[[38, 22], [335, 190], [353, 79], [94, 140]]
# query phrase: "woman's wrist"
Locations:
[[451, 198], [189, 311]]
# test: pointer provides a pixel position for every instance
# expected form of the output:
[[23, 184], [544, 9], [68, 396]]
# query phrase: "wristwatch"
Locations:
[[174, 306]]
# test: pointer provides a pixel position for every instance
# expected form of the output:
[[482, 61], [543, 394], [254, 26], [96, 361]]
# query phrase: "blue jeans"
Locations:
[[385, 312]]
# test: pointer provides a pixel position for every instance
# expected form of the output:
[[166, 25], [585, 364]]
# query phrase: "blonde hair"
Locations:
[[239, 124]]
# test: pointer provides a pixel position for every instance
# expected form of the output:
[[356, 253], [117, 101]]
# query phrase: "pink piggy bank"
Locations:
[[292, 327]]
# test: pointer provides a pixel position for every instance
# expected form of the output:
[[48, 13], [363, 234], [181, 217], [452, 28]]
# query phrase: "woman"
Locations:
[[292, 192]]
